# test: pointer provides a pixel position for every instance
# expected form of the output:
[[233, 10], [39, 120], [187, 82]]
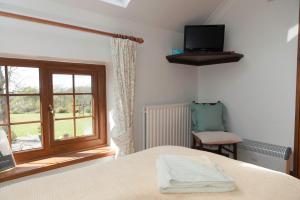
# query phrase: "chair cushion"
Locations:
[[207, 117], [217, 137]]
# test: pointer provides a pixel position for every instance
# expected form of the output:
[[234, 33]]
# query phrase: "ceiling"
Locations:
[[167, 14]]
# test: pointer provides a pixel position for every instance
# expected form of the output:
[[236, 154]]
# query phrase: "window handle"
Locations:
[[50, 108]]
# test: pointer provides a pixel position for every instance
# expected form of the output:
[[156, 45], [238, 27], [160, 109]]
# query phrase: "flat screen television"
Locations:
[[204, 38]]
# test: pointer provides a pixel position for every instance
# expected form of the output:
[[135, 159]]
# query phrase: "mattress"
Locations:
[[134, 177]]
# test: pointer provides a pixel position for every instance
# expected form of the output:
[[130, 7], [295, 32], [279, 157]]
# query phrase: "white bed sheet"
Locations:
[[134, 177]]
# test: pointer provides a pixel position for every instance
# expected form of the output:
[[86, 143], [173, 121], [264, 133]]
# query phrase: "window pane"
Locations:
[[62, 83], [4, 147], [84, 127], [64, 129], [83, 105], [26, 137], [23, 80], [3, 111], [63, 106], [5, 129], [24, 108], [83, 84], [2, 80]]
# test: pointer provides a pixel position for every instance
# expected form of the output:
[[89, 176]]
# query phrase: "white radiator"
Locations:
[[167, 125]]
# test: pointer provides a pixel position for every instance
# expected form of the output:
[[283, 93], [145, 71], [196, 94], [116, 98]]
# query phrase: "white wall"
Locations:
[[258, 91], [157, 80]]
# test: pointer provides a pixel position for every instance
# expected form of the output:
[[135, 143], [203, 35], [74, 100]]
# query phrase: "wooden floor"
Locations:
[[55, 162]]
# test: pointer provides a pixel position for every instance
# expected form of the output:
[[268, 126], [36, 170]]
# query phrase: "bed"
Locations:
[[134, 177]]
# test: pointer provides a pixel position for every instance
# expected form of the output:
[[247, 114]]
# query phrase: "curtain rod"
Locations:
[[69, 26]]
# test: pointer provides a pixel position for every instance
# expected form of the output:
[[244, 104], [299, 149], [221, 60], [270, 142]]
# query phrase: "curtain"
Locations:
[[123, 63]]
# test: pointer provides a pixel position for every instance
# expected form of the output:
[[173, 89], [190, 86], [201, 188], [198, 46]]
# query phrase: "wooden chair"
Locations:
[[221, 140]]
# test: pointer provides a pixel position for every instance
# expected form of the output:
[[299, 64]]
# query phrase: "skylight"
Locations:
[[121, 3]]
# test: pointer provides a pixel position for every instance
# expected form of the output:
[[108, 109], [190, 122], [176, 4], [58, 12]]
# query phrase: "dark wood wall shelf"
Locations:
[[205, 58]]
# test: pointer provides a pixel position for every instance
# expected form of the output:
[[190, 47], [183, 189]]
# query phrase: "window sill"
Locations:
[[54, 162]]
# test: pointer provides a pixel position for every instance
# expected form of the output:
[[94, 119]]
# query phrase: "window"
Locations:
[[72, 106], [20, 105], [51, 107]]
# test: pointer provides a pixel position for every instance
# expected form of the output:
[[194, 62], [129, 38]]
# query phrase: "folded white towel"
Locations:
[[181, 174]]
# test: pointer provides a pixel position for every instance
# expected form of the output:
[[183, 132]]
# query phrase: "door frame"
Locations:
[[297, 117]]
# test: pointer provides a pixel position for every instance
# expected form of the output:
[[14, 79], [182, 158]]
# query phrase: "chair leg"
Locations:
[[220, 149], [197, 144], [194, 144], [235, 151]]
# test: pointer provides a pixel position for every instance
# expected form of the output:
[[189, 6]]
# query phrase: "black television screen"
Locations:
[[204, 38]]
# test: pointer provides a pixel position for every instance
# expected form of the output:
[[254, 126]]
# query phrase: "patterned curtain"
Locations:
[[124, 61]]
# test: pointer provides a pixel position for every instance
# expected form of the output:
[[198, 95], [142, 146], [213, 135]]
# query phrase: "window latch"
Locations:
[[50, 108]]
